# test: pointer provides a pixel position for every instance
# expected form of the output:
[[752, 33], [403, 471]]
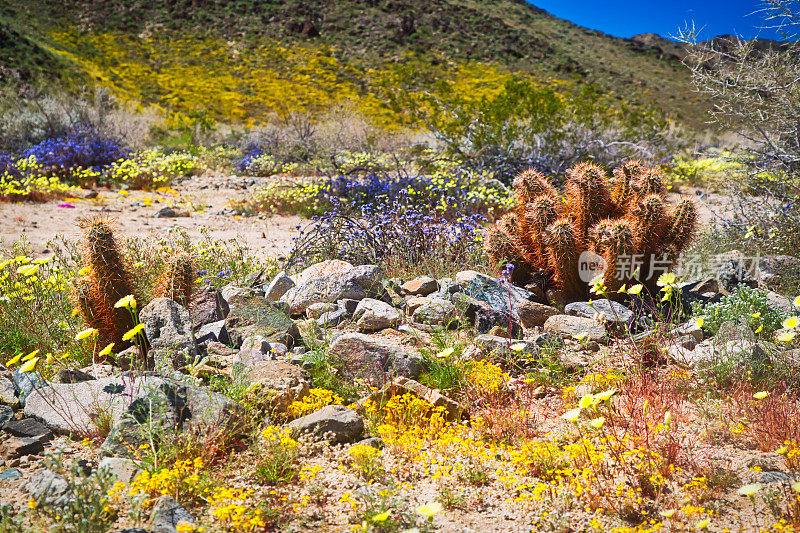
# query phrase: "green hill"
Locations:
[[241, 59]]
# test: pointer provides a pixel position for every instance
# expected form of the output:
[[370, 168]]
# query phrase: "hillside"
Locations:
[[313, 52]]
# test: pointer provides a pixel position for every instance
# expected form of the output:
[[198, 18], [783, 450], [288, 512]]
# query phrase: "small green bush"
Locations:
[[743, 305]]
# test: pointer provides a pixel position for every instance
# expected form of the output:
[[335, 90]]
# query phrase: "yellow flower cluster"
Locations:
[[182, 478], [35, 183], [150, 169], [230, 508], [485, 376], [315, 399]]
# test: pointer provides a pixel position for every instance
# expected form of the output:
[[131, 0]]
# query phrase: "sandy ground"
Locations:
[[204, 199]]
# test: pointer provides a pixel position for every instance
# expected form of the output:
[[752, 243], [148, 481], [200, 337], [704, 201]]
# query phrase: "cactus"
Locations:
[[177, 280], [626, 215], [107, 282]]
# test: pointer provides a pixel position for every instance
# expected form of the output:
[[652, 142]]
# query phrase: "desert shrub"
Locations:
[[746, 305], [528, 124], [711, 168], [149, 169]]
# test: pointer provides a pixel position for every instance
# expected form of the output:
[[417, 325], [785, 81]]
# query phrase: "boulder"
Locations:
[[502, 297], [317, 310], [253, 315], [498, 348], [279, 285], [609, 312], [48, 488], [231, 291], [780, 303], [167, 515], [334, 423], [576, 327], [347, 305], [14, 447], [6, 414], [356, 284], [364, 356], [774, 271], [421, 286], [168, 326], [332, 318], [29, 428], [324, 268], [8, 393], [415, 302], [72, 375], [484, 317], [375, 315], [534, 314], [285, 382], [436, 312], [213, 332], [207, 306], [124, 470]]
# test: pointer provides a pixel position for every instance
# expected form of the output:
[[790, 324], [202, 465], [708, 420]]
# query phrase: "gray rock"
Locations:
[[10, 473], [436, 312], [317, 310], [375, 315], [610, 312], [483, 317], [208, 306], [48, 488], [279, 349], [167, 515], [166, 212], [689, 328], [504, 297], [279, 286], [355, 284], [576, 327], [776, 270], [421, 286], [72, 375], [123, 470], [27, 382], [497, 348], [231, 291], [363, 356], [285, 382], [8, 393], [257, 344], [14, 447], [335, 423], [254, 315], [6, 414], [534, 314], [549, 340], [731, 273], [213, 332], [780, 303], [347, 305], [168, 326], [29, 428], [332, 318], [254, 279], [688, 341]]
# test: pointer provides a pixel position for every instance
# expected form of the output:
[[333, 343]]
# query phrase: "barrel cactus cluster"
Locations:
[[624, 218], [108, 279]]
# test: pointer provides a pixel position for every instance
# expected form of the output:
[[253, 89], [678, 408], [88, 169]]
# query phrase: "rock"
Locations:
[[332, 318], [363, 356], [774, 271], [279, 285], [164, 405], [28, 428], [688, 328], [731, 273], [780, 303], [254, 315], [356, 283], [533, 314], [576, 327], [703, 286], [285, 382], [123, 470], [496, 348], [167, 515], [72, 375], [14, 447], [213, 332], [347, 305], [231, 292], [69, 408], [168, 326], [436, 312], [415, 302], [8, 393], [401, 385], [688, 341], [483, 317], [256, 345], [166, 212], [421, 286], [318, 270], [254, 279], [504, 297], [208, 306], [549, 340], [6, 414], [375, 315], [374, 442], [27, 382], [609, 312], [336, 423], [48, 488], [10, 473], [317, 310], [98, 371]]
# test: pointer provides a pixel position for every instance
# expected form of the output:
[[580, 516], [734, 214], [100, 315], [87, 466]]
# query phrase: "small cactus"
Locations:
[[177, 280]]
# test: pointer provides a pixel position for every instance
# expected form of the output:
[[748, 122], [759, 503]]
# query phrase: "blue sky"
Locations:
[[625, 18]]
